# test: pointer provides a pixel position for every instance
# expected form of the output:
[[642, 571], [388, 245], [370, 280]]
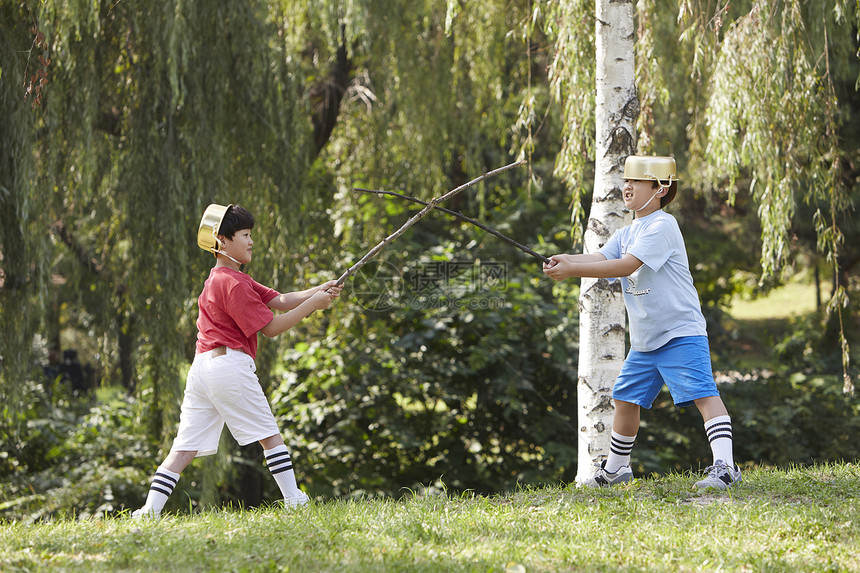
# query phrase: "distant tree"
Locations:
[[146, 113], [777, 119], [748, 100], [24, 244]]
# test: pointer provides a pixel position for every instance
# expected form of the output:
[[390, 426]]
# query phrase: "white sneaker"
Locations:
[[603, 478], [720, 476], [297, 500], [143, 513]]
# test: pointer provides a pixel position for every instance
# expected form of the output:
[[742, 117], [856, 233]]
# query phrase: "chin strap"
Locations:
[[660, 188], [652, 197], [226, 255], [649, 201], [216, 250]]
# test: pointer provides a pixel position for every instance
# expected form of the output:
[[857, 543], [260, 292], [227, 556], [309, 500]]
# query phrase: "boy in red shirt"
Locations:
[[222, 386]]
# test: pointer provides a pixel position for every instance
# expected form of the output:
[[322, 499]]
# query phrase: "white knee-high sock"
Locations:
[[719, 431], [162, 486], [281, 465], [619, 452]]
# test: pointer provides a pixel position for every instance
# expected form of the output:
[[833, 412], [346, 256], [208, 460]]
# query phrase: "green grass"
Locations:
[[763, 322], [799, 519], [793, 299]]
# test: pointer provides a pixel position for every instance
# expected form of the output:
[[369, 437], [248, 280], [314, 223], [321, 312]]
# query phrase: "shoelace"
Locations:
[[715, 470]]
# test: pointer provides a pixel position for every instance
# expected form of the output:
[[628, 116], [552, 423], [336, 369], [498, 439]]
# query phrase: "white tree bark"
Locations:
[[601, 307]]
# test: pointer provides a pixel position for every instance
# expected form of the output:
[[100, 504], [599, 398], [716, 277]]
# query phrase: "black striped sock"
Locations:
[[163, 483], [619, 452], [621, 445], [719, 432], [278, 460], [281, 465]]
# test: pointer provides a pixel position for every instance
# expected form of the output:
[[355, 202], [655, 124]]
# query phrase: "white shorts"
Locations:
[[222, 390]]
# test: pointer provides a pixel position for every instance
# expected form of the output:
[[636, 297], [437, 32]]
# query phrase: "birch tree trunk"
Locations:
[[601, 307]]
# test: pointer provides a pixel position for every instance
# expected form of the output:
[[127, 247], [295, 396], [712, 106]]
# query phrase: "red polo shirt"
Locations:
[[233, 308]]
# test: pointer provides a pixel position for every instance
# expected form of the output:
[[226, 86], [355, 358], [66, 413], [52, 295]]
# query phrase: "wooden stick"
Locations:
[[415, 218], [462, 217]]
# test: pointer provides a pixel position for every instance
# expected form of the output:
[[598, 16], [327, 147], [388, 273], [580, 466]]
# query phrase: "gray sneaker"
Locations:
[[720, 476], [603, 478]]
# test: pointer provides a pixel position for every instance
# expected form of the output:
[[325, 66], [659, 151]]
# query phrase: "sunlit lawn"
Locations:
[[794, 299], [776, 520], [759, 324]]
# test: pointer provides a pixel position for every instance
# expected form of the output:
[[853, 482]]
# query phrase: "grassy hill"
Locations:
[[793, 299], [796, 519], [759, 324]]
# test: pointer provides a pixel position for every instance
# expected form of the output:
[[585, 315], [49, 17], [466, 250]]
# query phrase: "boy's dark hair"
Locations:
[[235, 219], [670, 194]]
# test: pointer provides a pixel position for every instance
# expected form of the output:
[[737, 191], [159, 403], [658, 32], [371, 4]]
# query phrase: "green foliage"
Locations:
[[435, 370], [756, 99], [24, 262], [570, 26], [151, 113], [405, 419], [153, 110], [64, 457], [778, 418], [797, 417], [70, 456]]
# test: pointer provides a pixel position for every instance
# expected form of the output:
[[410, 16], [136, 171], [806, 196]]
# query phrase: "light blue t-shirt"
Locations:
[[661, 300]]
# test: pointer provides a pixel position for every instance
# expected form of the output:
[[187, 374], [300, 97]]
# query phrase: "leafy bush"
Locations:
[[439, 387], [65, 456], [795, 418]]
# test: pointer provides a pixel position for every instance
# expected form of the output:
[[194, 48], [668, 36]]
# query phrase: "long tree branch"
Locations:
[[418, 216], [462, 217], [86, 260], [327, 96]]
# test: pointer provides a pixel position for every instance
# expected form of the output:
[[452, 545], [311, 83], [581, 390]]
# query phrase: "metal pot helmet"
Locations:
[[207, 232], [661, 169]]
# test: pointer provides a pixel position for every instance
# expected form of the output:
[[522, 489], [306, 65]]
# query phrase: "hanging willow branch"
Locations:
[[418, 216], [462, 217]]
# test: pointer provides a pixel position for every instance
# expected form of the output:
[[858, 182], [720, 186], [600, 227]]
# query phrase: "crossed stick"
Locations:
[[415, 218], [462, 217]]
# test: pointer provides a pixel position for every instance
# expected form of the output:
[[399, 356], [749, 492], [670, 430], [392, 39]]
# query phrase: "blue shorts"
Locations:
[[683, 364]]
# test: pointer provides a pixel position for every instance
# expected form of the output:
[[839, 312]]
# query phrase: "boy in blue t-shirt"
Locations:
[[668, 336]]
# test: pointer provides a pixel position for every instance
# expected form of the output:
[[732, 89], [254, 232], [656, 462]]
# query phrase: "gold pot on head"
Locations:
[[650, 168], [207, 232]]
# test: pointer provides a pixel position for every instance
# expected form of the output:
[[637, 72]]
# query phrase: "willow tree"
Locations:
[[153, 110], [748, 100], [149, 113], [789, 141], [24, 264], [775, 121]]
